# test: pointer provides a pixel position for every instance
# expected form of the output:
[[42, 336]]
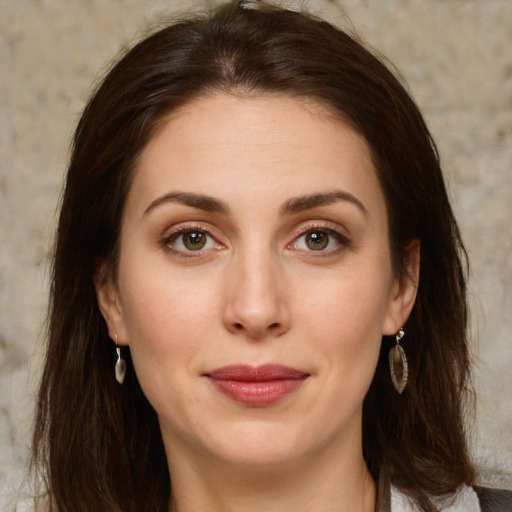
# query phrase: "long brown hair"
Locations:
[[97, 445]]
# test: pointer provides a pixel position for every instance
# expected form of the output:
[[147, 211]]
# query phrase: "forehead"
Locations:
[[262, 145]]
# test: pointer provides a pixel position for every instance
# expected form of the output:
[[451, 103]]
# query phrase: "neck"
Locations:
[[312, 485]]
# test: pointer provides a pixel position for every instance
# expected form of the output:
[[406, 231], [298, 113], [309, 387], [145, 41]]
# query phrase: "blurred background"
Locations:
[[456, 57]]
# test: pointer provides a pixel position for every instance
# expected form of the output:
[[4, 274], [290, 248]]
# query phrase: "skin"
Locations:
[[257, 292]]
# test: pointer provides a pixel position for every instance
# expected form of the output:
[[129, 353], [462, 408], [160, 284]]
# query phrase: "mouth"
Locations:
[[256, 386]]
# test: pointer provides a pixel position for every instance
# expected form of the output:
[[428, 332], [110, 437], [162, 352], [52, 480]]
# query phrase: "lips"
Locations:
[[256, 386]]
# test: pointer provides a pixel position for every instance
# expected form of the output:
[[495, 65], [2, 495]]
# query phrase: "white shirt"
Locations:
[[465, 500]]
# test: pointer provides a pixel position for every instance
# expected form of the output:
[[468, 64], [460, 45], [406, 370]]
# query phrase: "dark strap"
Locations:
[[494, 500], [383, 501]]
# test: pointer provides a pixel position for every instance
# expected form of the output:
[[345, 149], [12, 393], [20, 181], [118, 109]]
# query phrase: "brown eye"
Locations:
[[190, 240], [317, 240], [194, 240], [322, 240]]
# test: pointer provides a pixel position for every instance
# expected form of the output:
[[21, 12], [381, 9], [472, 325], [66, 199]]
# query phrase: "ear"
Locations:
[[403, 292], [109, 304]]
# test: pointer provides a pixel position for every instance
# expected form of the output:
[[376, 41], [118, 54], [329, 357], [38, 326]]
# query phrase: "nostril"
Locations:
[[272, 327]]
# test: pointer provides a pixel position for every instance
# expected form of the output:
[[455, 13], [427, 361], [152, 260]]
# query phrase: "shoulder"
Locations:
[[494, 500], [467, 499]]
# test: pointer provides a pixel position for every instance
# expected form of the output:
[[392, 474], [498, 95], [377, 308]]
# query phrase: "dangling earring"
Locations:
[[120, 368], [398, 364]]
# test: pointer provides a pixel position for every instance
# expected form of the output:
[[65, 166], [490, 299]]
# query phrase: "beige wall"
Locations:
[[457, 58]]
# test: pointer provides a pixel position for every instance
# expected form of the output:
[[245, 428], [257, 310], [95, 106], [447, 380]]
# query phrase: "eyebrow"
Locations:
[[199, 201], [307, 202], [292, 206]]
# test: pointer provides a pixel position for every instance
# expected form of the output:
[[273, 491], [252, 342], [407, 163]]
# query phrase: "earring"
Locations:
[[120, 368], [398, 364]]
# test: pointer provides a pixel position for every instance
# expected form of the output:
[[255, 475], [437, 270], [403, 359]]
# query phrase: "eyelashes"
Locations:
[[320, 239], [195, 240], [190, 240]]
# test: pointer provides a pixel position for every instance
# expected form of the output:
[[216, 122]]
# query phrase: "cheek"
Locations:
[[346, 318], [168, 332], [347, 302], [167, 323], [160, 305]]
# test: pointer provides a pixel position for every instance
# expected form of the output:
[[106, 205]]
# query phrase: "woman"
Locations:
[[258, 298]]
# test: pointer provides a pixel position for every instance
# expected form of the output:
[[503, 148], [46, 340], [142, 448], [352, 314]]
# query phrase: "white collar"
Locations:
[[465, 500]]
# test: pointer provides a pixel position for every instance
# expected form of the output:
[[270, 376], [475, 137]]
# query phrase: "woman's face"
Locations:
[[255, 281]]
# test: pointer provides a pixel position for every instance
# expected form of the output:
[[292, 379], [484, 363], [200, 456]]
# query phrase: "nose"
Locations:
[[256, 303]]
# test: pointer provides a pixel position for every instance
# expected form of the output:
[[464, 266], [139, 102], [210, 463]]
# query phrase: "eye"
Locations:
[[320, 239], [317, 241], [190, 240]]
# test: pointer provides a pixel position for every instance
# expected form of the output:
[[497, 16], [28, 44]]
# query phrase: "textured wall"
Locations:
[[457, 58]]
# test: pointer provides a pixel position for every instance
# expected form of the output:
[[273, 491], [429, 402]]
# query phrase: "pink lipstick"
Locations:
[[257, 386]]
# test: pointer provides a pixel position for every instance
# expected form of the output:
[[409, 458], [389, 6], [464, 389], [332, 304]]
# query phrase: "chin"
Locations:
[[258, 445]]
